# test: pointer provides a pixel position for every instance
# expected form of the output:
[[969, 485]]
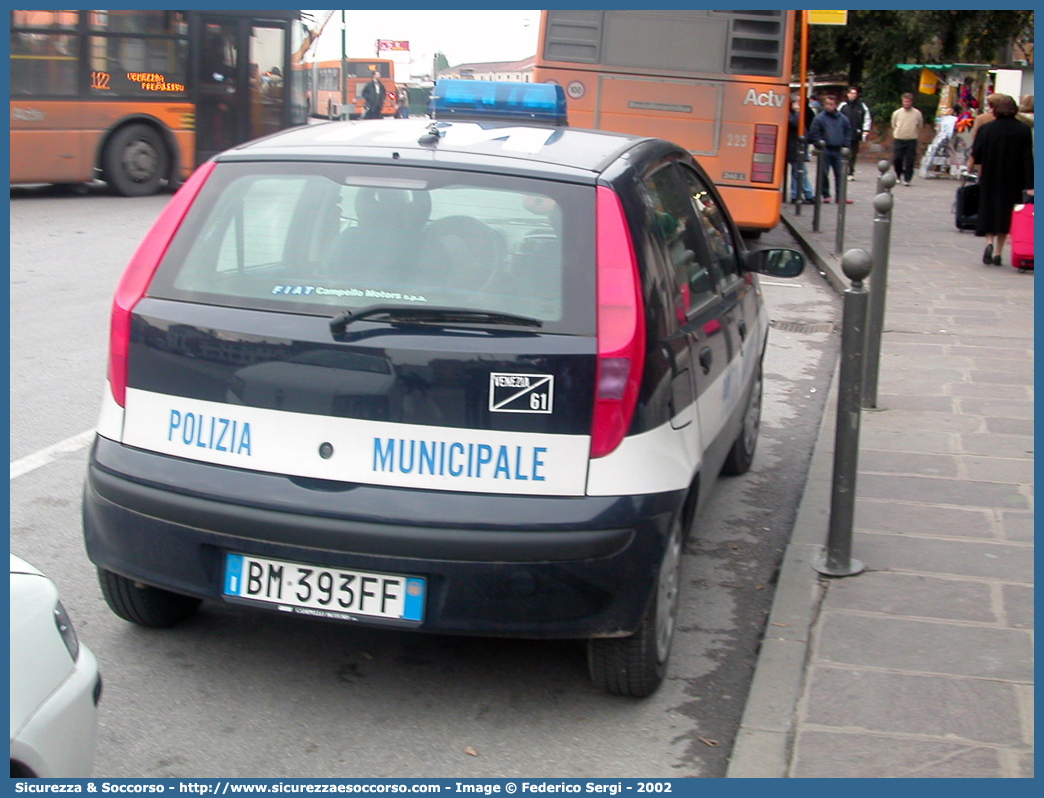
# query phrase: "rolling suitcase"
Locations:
[[1021, 236], [966, 206]]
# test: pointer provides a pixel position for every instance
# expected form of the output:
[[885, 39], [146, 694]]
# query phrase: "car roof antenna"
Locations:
[[431, 135]]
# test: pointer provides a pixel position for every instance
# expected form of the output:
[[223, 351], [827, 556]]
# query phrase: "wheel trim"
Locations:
[[140, 161], [752, 418], [667, 594]]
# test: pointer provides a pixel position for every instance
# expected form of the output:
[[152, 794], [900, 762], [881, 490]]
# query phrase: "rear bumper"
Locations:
[[497, 565]]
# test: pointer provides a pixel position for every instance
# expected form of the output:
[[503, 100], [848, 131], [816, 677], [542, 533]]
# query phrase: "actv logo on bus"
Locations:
[[766, 98]]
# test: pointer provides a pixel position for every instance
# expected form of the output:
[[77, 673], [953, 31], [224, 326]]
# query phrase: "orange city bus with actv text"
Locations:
[[715, 82], [140, 98]]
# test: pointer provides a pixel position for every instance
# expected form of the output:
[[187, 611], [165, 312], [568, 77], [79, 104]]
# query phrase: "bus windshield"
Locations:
[[714, 82]]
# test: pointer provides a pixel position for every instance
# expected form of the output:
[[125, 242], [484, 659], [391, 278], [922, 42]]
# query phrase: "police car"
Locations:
[[453, 375]]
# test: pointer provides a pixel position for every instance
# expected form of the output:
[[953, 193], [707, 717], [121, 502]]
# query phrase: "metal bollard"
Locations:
[[836, 559], [820, 148], [842, 196], [883, 168], [882, 237]]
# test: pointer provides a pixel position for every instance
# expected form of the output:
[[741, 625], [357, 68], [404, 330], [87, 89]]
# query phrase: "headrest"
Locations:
[[392, 207]]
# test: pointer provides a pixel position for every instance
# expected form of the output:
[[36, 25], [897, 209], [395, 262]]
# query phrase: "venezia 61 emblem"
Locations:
[[521, 393]]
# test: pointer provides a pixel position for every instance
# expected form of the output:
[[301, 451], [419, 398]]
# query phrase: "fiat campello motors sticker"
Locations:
[[359, 293], [368, 452]]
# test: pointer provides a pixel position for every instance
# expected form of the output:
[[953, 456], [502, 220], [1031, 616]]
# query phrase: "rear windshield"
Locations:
[[319, 238]]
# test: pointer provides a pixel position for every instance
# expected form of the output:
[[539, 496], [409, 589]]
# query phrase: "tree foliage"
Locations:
[[867, 49]]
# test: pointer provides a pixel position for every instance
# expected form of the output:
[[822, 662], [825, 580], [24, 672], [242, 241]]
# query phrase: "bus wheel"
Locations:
[[135, 161]]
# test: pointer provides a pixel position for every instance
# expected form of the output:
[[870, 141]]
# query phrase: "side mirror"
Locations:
[[775, 262]]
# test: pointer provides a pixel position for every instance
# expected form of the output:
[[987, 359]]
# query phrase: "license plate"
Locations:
[[324, 592]]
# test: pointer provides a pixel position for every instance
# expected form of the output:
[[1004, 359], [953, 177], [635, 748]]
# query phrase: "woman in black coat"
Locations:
[[1003, 149]]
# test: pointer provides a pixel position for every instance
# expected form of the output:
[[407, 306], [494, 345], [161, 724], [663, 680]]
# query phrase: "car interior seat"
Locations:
[[386, 243]]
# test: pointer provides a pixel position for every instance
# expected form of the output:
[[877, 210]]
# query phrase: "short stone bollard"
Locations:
[[836, 558]]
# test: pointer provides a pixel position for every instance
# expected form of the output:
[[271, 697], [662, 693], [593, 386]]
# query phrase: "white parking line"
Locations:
[[33, 461]]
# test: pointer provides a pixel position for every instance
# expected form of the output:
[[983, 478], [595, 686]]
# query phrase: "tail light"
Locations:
[[138, 274], [763, 162], [621, 326]]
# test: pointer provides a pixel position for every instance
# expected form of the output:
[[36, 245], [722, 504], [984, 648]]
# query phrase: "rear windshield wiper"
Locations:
[[429, 315]]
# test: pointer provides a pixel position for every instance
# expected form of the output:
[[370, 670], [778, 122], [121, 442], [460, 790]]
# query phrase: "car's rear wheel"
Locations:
[[741, 455], [143, 604], [135, 161], [635, 665]]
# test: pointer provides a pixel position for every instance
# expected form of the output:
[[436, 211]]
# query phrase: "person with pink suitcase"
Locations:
[[1003, 151]]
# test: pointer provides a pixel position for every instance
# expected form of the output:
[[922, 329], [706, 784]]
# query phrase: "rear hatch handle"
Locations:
[[429, 315]]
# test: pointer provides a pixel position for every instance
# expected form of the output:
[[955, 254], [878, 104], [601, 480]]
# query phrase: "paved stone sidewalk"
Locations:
[[923, 664]]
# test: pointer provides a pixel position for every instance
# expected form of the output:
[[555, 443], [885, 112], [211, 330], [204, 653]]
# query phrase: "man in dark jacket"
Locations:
[[858, 115], [833, 129], [373, 97]]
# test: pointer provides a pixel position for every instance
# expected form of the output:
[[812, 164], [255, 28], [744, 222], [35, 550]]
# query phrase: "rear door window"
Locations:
[[322, 238], [694, 274], [713, 223]]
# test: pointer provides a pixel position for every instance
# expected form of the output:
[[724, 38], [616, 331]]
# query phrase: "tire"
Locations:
[[135, 161], [741, 455], [635, 665], [145, 605]]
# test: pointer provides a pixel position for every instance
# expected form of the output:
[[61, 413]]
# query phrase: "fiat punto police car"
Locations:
[[456, 376]]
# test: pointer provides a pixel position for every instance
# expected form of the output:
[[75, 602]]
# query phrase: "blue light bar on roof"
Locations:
[[501, 100]]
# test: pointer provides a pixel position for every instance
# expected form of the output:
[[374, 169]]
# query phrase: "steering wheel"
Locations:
[[466, 249]]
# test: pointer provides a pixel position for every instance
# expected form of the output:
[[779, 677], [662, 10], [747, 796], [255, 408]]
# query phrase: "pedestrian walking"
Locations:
[[858, 114], [833, 129], [402, 103], [1025, 114], [907, 122], [373, 97], [1003, 152], [797, 156]]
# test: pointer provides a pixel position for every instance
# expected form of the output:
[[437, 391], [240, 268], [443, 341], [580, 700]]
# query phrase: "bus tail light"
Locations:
[[621, 326], [763, 161], [138, 274]]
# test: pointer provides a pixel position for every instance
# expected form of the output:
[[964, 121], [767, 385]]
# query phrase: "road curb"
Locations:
[[828, 265], [765, 735]]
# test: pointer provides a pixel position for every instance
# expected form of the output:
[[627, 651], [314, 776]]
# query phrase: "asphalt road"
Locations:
[[243, 693]]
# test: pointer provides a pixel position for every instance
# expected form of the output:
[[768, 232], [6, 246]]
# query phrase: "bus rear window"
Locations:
[[321, 238]]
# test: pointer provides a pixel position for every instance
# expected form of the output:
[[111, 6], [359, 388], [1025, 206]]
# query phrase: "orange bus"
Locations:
[[323, 86], [715, 82], [139, 98]]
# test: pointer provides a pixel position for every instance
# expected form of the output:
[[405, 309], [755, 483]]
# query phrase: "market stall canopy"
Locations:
[[944, 66]]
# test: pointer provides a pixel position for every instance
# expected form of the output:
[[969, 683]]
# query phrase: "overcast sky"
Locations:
[[463, 36]]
